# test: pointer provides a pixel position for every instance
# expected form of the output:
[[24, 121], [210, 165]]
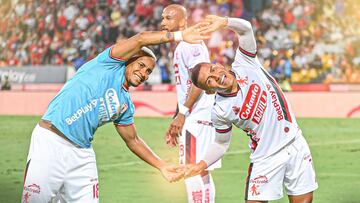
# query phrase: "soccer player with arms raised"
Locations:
[[249, 98], [61, 163], [193, 125]]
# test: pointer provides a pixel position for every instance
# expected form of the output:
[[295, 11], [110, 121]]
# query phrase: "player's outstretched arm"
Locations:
[[138, 146], [242, 27], [128, 47], [215, 152], [177, 124]]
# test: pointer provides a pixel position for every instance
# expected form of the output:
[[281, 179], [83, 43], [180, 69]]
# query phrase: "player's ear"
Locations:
[[182, 23]]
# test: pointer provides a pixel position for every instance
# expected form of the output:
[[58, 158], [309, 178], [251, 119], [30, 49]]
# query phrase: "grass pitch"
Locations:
[[335, 145]]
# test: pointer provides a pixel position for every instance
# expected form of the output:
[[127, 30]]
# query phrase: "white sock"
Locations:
[[195, 189], [209, 186]]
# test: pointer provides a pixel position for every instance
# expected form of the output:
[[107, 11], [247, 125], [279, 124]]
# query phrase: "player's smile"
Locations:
[[140, 78], [139, 70], [223, 79]]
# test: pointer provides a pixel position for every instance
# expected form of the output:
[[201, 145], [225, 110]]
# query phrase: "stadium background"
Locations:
[[311, 47]]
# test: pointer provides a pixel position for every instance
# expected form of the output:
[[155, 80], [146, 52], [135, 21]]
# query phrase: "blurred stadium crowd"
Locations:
[[299, 41]]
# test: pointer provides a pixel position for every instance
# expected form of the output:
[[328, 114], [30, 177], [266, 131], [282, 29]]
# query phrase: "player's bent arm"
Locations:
[[217, 149], [129, 47], [214, 153], [193, 96], [245, 33], [138, 146]]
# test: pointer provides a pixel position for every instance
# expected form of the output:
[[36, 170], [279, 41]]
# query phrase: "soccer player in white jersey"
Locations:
[[61, 163], [193, 118], [249, 98]]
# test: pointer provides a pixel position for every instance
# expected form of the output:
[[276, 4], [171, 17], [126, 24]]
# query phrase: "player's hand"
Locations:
[[195, 169], [195, 34], [173, 173], [175, 128], [214, 23], [170, 140]]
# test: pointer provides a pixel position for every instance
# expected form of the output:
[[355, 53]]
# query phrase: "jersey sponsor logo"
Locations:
[[34, 188], [260, 180], [109, 107], [276, 105], [256, 183], [260, 109], [82, 110], [112, 102], [103, 114], [250, 102]]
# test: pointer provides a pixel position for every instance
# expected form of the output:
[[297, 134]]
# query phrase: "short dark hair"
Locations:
[[195, 74]]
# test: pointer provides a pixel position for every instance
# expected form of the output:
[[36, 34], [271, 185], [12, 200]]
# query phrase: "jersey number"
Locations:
[[177, 74]]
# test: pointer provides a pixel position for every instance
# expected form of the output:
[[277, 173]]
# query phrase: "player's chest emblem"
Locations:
[[243, 81], [123, 108]]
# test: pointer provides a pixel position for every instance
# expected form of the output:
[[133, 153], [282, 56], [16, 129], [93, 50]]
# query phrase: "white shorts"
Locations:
[[58, 171], [194, 141], [292, 165]]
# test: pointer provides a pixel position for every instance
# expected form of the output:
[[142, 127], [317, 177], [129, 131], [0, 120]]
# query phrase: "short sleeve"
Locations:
[[105, 57], [221, 124], [194, 54]]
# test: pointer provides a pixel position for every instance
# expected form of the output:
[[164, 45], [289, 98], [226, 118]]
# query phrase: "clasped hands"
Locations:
[[173, 173]]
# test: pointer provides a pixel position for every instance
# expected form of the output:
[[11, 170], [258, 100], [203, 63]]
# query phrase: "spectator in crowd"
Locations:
[[6, 84], [50, 32]]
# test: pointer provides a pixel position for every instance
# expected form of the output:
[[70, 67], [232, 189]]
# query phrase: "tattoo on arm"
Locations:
[[168, 36]]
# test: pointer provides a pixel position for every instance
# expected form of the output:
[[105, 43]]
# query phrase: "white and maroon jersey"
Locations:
[[259, 108], [186, 56]]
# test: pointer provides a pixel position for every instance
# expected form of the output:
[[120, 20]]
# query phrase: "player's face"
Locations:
[[215, 78], [170, 20], [138, 71]]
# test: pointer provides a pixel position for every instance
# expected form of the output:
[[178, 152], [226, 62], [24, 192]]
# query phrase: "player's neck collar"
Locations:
[[232, 94], [125, 87]]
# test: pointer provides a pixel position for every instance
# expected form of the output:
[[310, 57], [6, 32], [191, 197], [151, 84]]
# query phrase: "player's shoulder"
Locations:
[[219, 114]]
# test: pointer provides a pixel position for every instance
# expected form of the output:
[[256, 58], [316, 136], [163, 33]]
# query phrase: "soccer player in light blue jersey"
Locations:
[[61, 163]]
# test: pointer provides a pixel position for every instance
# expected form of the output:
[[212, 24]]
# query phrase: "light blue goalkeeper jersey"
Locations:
[[94, 96]]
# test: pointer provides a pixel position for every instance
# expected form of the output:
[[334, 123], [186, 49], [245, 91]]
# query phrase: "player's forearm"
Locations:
[[217, 149], [239, 25], [155, 37], [245, 32], [193, 96], [127, 48], [143, 151]]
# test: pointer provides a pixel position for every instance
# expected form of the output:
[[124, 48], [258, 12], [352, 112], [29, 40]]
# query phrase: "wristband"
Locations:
[[183, 109], [178, 36]]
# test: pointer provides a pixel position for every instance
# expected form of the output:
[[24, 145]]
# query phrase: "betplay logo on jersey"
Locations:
[[82, 110]]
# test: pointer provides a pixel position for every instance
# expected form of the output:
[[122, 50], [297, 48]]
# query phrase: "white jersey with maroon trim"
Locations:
[[186, 56], [259, 108]]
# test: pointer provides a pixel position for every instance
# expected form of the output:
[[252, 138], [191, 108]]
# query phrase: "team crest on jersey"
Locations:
[[123, 108], [236, 110], [195, 51], [243, 81]]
